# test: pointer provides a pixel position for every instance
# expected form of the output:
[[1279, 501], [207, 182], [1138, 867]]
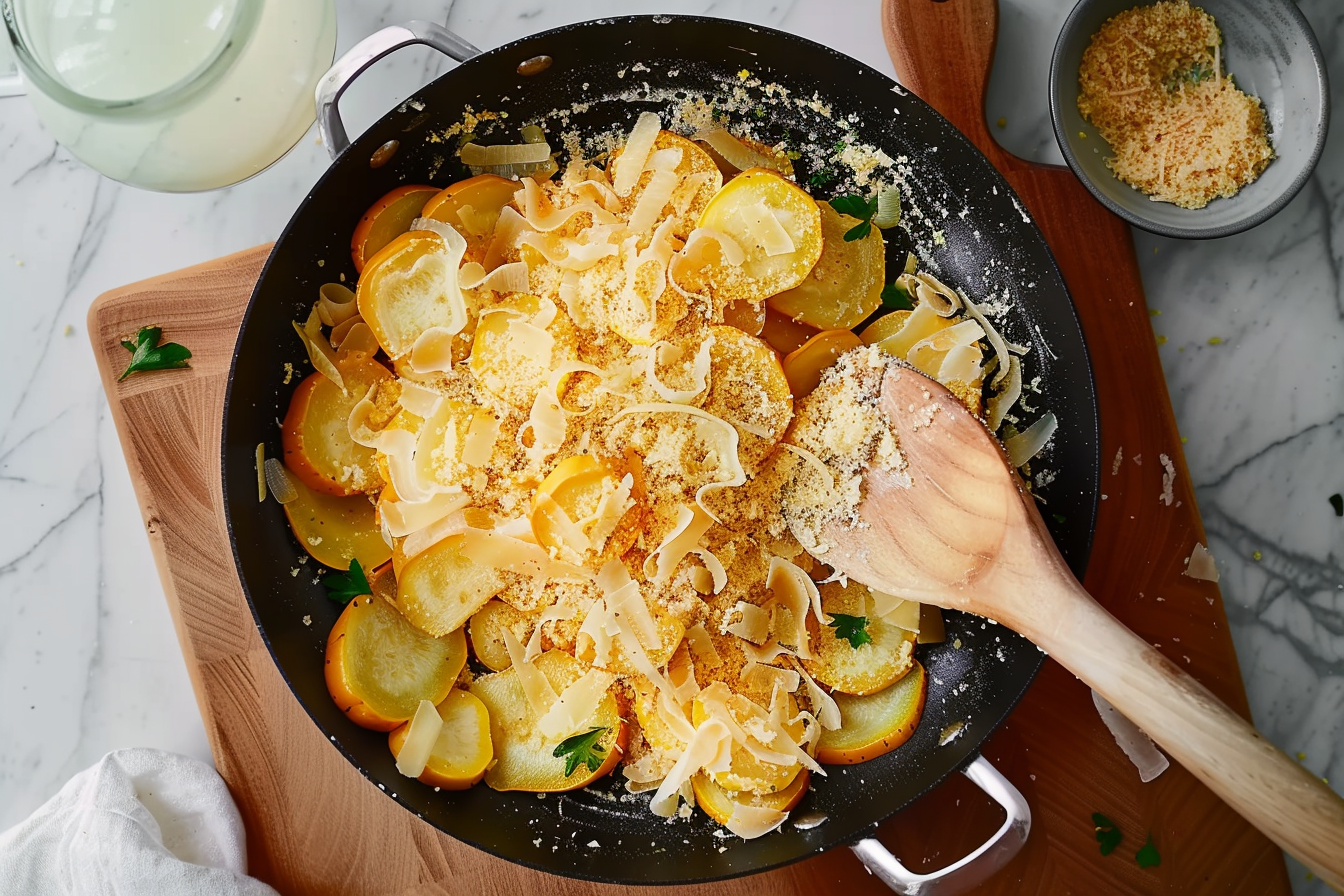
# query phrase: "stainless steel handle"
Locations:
[[977, 867], [366, 53]]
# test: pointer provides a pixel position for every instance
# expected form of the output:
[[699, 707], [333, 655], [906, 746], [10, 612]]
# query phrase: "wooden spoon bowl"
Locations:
[[957, 528]]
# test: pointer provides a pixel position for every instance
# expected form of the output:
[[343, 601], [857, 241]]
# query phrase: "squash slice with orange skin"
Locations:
[[387, 219], [876, 723], [865, 669], [576, 487], [778, 227], [440, 588], [845, 285], [463, 749], [379, 666], [783, 333], [804, 365], [746, 772], [472, 207], [315, 434], [486, 631], [524, 757], [718, 803], [334, 529]]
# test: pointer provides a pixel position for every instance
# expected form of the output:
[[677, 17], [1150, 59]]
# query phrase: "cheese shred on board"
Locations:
[[585, 464], [1153, 83]]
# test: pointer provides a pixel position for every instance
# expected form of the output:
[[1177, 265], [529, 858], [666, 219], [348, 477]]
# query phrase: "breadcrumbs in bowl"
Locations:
[[1181, 130]]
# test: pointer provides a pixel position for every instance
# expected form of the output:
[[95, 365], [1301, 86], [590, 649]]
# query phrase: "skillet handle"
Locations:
[[975, 868], [366, 53]]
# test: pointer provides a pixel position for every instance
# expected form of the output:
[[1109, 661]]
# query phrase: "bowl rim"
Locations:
[[1071, 24]]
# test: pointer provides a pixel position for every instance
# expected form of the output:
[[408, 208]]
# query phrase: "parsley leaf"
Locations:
[[147, 354], [853, 629], [1147, 856], [343, 587], [1337, 502], [1108, 835], [1059, 517], [582, 749], [822, 178], [895, 296], [856, 207]]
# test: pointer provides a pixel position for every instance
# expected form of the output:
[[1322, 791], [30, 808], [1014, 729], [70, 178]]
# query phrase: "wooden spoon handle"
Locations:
[[1290, 805]]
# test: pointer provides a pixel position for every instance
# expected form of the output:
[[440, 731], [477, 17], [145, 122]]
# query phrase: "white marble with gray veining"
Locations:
[[88, 657]]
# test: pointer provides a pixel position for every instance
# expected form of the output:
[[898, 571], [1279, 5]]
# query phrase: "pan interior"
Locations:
[[970, 227]]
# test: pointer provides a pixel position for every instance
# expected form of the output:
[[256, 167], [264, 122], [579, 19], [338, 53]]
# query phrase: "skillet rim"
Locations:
[[1090, 425]]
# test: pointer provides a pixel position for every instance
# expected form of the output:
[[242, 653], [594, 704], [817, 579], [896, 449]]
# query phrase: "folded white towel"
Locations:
[[141, 822]]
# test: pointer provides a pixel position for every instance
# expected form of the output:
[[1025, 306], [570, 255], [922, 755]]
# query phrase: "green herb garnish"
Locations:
[[1108, 835], [1337, 502], [822, 178], [853, 629], [856, 207], [343, 587], [1147, 856], [582, 749], [895, 296], [1059, 517], [147, 354]]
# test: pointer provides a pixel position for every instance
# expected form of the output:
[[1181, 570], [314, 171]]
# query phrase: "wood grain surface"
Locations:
[[315, 826]]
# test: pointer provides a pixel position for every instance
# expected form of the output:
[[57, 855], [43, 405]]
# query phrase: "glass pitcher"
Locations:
[[173, 95]]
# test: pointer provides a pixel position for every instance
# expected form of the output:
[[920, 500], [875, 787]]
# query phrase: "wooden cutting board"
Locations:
[[315, 826]]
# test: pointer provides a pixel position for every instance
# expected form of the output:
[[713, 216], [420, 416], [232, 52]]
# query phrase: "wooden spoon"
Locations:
[[962, 533]]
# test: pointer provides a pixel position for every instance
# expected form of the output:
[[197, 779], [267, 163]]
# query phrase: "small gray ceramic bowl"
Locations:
[[1271, 51]]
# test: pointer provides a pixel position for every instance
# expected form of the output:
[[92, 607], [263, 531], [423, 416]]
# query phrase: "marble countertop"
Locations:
[[88, 657]]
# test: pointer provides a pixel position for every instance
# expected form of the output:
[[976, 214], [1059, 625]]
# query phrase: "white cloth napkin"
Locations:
[[140, 822]]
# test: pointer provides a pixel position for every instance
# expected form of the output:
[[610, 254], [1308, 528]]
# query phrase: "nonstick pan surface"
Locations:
[[614, 69]]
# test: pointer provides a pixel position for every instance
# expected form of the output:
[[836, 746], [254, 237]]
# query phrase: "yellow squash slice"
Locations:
[[512, 357], [315, 434], [865, 669], [487, 632], [874, 724], [749, 390], [332, 529], [441, 588], [463, 749], [804, 365], [583, 499], [379, 666], [524, 758], [718, 803], [778, 227], [845, 285]]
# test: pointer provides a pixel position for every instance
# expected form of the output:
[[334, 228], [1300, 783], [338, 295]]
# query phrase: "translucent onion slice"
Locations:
[[504, 154], [1201, 565], [1028, 443], [277, 480], [336, 303], [261, 472], [320, 352], [888, 207], [736, 153]]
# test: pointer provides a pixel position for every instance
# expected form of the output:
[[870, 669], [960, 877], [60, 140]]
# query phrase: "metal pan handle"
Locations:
[[366, 53], [977, 867]]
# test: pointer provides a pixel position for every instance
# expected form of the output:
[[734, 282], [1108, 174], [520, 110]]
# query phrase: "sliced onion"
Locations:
[[261, 472], [888, 207], [1028, 443], [336, 303], [504, 153], [277, 478], [320, 352], [736, 153], [1201, 565]]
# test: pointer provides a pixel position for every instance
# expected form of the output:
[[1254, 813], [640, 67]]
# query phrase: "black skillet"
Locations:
[[615, 68]]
